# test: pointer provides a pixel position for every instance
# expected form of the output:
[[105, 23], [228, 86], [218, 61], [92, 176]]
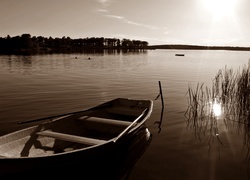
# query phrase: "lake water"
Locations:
[[43, 85]]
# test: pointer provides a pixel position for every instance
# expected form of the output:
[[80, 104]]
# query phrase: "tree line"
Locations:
[[28, 43]]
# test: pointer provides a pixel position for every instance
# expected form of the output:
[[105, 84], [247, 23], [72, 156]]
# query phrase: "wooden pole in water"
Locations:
[[162, 108], [162, 101]]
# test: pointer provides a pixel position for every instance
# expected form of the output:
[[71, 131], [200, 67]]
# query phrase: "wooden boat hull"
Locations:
[[109, 161], [58, 147]]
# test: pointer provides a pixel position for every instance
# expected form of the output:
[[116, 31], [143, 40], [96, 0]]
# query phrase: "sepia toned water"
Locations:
[[38, 86]]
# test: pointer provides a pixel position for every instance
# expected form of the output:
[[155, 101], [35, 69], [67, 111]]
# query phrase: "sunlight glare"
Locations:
[[217, 109], [220, 8]]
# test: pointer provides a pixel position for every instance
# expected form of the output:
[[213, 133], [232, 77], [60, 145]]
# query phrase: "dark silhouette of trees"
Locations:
[[28, 43]]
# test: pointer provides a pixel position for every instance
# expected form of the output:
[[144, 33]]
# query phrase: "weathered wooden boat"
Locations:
[[96, 142]]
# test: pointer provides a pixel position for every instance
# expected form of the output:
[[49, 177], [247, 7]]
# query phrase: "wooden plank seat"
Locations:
[[71, 138], [125, 111], [105, 121]]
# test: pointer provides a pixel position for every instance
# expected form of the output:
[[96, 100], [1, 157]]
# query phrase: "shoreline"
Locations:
[[37, 51], [197, 47]]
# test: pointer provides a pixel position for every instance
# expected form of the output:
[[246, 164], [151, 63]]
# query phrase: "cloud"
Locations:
[[125, 20], [104, 3], [115, 17], [102, 10], [105, 12]]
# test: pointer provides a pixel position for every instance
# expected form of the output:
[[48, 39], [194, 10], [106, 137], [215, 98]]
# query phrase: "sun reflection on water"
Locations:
[[216, 109]]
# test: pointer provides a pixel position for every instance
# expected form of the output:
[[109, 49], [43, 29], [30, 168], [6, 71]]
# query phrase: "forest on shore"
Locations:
[[27, 44]]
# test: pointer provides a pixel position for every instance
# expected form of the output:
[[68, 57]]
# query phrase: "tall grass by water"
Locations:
[[227, 101]]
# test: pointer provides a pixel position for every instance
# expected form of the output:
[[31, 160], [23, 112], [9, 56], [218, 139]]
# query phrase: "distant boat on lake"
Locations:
[[179, 54]]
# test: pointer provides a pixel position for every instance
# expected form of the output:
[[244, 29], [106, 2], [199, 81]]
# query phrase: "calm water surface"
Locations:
[[44, 85]]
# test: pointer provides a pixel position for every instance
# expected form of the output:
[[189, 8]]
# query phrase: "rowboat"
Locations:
[[96, 142], [179, 54]]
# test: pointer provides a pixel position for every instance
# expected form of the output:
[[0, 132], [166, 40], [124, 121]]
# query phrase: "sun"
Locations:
[[220, 8]]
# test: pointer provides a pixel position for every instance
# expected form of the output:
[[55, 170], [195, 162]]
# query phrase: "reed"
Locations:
[[230, 92]]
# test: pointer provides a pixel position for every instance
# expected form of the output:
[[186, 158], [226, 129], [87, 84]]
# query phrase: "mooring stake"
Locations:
[[162, 108], [162, 101]]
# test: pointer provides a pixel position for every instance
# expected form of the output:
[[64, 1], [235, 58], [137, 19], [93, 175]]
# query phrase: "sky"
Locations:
[[193, 22]]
